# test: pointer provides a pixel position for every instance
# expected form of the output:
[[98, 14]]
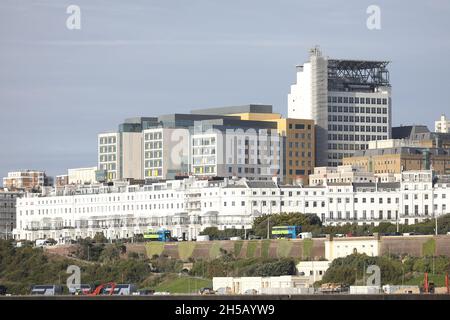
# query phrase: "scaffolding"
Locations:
[[357, 75]]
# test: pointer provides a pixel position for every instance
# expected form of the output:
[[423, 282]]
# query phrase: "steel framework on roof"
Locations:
[[348, 74]]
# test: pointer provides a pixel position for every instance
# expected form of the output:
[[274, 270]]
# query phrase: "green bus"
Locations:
[[289, 232], [158, 235]]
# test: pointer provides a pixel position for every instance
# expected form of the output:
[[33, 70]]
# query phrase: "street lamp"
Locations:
[[435, 225]]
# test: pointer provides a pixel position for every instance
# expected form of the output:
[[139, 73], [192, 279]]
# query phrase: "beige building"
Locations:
[[82, 175], [421, 136], [314, 270], [262, 285], [342, 247], [26, 180], [398, 159], [341, 174], [442, 125], [120, 154], [61, 180]]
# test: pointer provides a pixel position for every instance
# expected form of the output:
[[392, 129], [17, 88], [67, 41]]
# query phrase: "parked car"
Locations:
[[204, 291], [223, 291], [392, 234], [251, 292], [144, 292], [83, 289], [161, 293], [43, 243], [305, 235]]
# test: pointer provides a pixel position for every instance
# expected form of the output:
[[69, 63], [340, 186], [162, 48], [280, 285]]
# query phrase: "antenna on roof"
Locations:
[[315, 51]]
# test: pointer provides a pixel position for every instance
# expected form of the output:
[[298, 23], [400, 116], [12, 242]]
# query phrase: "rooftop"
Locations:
[[249, 108], [410, 132], [352, 75]]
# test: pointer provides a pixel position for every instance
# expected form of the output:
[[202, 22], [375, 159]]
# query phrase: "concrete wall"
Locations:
[[297, 249]]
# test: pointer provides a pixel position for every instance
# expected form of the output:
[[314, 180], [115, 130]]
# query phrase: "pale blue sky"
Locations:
[[60, 87]]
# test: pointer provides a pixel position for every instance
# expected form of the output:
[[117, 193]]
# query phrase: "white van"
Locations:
[[306, 235], [203, 238], [42, 243]]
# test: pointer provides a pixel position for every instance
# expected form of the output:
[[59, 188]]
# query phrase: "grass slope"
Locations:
[[185, 249], [154, 248], [284, 247], [429, 248], [183, 284], [438, 279], [251, 248]]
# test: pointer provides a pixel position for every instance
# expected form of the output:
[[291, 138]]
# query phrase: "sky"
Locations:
[[59, 88]]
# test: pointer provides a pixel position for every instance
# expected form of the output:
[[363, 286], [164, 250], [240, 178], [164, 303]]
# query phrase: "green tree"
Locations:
[[352, 269], [100, 238], [215, 234], [281, 267], [308, 222]]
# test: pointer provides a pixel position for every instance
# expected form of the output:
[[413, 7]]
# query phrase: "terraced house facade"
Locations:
[[188, 206]]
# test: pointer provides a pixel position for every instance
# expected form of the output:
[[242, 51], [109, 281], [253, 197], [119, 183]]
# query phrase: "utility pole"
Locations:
[[268, 227], [435, 225]]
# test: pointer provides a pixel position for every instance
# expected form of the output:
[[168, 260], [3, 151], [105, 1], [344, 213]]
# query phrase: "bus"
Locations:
[[47, 290], [121, 290], [286, 232], [158, 235]]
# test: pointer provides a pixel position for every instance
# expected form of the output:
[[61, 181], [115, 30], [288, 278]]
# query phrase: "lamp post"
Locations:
[[396, 219], [435, 225]]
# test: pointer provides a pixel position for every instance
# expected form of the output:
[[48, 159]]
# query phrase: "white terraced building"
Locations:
[[188, 206]]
